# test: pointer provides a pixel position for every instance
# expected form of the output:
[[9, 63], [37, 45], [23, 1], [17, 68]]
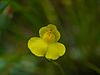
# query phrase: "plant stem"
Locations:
[[58, 66], [93, 67]]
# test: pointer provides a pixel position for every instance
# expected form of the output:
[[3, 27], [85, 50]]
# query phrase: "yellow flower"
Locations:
[[47, 45]]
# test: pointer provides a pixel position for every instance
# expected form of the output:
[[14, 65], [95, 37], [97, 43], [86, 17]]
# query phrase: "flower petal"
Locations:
[[50, 32], [37, 46], [55, 50]]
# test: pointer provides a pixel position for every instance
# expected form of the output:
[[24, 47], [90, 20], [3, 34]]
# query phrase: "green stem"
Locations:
[[59, 67], [93, 67]]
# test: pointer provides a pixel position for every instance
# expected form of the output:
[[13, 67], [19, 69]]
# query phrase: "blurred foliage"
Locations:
[[78, 22]]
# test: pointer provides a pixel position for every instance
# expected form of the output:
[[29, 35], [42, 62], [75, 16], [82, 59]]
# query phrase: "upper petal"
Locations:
[[55, 50], [37, 46], [49, 33]]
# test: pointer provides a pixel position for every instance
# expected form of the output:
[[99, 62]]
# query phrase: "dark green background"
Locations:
[[78, 22]]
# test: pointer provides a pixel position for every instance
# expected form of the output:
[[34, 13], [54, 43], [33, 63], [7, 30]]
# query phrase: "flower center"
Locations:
[[49, 36]]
